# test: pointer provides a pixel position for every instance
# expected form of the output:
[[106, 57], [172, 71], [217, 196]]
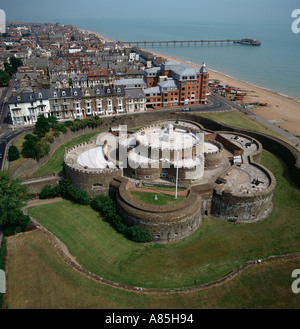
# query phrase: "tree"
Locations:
[[13, 196], [52, 120], [4, 77], [15, 63], [42, 148], [42, 126], [9, 69], [13, 153], [29, 148], [49, 192]]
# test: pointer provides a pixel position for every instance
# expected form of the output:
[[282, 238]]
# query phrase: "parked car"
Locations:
[[186, 109], [0, 155]]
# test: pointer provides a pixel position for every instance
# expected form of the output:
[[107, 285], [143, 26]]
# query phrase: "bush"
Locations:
[[43, 148], [17, 225], [107, 208], [13, 153], [29, 149], [49, 192], [49, 138], [138, 234], [66, 190]]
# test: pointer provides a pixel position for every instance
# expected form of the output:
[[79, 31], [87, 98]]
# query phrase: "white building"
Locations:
[[25, 107]]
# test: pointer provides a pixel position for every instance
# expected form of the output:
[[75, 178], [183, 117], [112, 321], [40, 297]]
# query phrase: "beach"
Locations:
[[281, 110]]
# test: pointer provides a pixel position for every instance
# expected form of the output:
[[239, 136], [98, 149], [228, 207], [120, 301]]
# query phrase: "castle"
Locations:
[[220, 171]]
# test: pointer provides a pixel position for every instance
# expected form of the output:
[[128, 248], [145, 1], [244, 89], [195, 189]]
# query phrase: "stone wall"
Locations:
[[284, 151], [165, 223], [144, 173], [213, 159], [93, 182], [245, 208], [36, 184]]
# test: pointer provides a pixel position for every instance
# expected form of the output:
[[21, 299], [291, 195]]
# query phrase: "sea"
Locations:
[[275, 65]]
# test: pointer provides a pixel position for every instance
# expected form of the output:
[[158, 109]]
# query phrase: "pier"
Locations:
[[251, 42]]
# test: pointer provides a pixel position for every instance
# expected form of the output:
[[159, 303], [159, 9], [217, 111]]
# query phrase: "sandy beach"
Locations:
[[281, 110]]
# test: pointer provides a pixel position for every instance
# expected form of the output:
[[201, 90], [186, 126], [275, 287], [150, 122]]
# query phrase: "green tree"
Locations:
[[13, 153], [4, 77], [13, 196], [9, 69], [42, 126], [52, 120], [15, 63], [42, 149], [49, 192], [29, 147]]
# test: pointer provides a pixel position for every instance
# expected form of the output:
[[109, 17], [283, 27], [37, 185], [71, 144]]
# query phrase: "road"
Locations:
[[216, 103], [264, 122]]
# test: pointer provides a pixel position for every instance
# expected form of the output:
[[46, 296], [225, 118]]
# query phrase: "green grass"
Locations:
[[210, 253], [55, 163], [148, 198], [163, 188], [241, 120], [39, 279]]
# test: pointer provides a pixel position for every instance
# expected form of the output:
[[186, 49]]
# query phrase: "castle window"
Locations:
[[97, 186]]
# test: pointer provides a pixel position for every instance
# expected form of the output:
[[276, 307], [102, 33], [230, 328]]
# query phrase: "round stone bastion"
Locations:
[[89, 169], [167, 223]]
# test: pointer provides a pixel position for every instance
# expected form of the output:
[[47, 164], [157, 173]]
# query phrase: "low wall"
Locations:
[[36, 184]]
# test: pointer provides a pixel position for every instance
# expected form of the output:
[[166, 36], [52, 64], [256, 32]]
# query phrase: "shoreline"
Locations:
[[282, 110]]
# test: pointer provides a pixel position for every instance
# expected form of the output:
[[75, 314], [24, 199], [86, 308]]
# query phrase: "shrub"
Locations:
[[49, 192], [13, 153], [66, 190], [107, 208]]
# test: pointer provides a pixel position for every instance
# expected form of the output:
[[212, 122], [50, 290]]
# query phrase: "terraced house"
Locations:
[[27, 105], [67, 103]]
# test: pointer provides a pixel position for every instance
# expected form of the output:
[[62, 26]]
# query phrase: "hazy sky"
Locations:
[[247, 10]]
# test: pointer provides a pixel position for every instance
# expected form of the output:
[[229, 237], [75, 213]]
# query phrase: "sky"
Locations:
[[214, 10]]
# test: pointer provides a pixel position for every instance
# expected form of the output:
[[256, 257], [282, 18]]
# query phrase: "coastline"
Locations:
[[282, 110]]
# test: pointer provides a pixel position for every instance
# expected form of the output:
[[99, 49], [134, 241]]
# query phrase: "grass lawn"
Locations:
[[241, 120], [37, 278], [214, 250], [163, 188], [55, 163], [148, 198]]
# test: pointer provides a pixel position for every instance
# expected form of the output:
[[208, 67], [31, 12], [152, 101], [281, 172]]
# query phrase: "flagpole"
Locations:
[[177, 175]]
